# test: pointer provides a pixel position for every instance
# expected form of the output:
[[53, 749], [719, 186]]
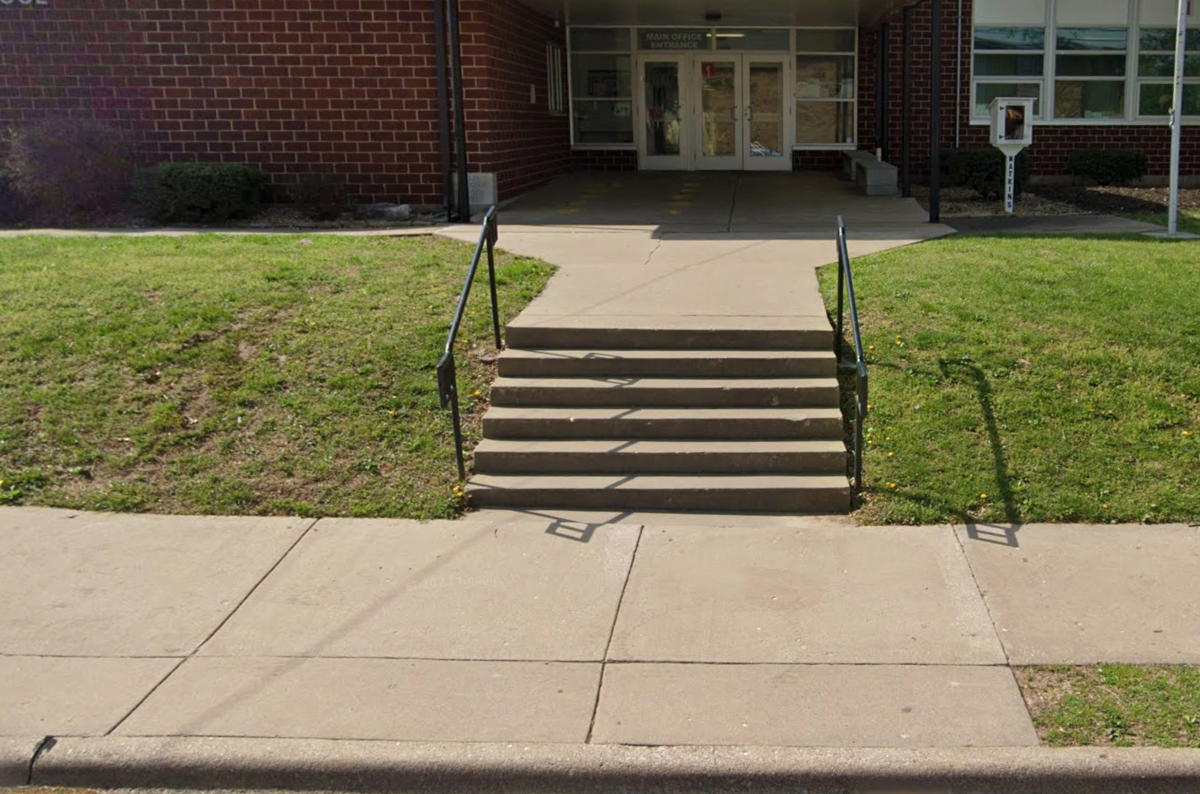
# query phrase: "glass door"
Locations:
[[719, 115], [766, 115], [662, 131]]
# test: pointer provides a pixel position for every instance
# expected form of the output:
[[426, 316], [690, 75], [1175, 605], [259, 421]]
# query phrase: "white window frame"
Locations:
[[852, 101], [1168, 81], [1049, 79], [571, 53]]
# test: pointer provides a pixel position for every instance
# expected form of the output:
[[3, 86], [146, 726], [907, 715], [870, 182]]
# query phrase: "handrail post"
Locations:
[[493, 234], [837, 339]]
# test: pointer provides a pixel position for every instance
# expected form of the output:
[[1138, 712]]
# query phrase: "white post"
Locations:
[[1010, 182], [1177, 117]]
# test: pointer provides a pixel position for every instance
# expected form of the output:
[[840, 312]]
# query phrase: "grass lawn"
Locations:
[[1189, 220], [1117, 704], [238, 374], [1032, 379]]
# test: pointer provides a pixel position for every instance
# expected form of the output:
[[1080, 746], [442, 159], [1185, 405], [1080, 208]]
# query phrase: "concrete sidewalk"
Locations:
[[587, 631]]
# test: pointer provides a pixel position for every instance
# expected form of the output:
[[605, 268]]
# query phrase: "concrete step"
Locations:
[[660, 457], [516, 363], [797, 493], [669, 333], [662, 423], [657, 392]]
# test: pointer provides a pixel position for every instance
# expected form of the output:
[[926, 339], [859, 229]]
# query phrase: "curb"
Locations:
[[375, 766], [16, 756]]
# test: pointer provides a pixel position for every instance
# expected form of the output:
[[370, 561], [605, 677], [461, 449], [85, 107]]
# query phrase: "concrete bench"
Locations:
[[873, 176]]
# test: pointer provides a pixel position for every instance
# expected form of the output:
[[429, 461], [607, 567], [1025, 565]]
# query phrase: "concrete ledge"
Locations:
[[215, 763], [16, 755]]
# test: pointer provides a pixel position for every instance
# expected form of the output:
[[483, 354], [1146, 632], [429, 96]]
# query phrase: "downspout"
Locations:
[[935, 113], [460, 116], [958, 81], [443, 100]]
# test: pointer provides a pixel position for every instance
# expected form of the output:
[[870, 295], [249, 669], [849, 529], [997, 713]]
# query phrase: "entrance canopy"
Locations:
[[763, 13]]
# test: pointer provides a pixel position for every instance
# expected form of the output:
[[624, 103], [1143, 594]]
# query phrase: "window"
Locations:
[[1156, 73], [602, 86], [1090, 70], [826, 89], [1009, 61], [555, 80]]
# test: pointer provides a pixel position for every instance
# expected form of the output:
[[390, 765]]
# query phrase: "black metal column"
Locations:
[[881, 92], [460, 115], [906, 110], [935, 112], [443, 100]]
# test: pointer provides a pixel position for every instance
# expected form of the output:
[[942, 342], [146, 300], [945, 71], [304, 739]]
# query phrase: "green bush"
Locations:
[[983, 170], [1107, 166], [10, 202], [60, 167], [202, 192], [320, 196]]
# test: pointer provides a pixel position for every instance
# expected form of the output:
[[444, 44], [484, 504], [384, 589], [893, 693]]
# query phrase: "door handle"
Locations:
[[733, 113], [749, 114]]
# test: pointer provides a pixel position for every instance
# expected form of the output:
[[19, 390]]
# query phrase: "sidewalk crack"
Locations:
[[45, 744], [611, 632], [220, 625], [986, 606]]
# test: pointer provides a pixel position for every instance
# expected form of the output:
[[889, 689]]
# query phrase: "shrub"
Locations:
[[65, 166], [320, 196], [10, 203], [983, 170], [1107, 166], [202, 192]]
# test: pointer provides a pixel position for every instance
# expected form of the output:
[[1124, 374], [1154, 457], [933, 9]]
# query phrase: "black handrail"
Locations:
[[862, 391], [447, 374]]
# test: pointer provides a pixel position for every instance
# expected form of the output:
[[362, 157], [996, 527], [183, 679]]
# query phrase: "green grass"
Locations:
[[1032, 379], [1189, 220], [1114, 704], [238, 374]]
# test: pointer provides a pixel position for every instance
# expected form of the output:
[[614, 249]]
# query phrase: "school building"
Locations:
[[384, 93]]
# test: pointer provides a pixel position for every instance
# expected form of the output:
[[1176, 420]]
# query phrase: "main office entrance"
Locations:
[[713, 111]]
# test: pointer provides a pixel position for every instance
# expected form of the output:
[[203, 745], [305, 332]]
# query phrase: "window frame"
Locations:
[[1050, 78], [1140, 81], [1041, 80], [631, 53]]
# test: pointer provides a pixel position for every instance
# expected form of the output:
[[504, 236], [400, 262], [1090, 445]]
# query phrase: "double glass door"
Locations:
[[714, 111]]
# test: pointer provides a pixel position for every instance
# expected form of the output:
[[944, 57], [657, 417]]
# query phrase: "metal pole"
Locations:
[[443, 100], [906, 111], [935, 113], [491, 245], [460, 114], [1177, 117]]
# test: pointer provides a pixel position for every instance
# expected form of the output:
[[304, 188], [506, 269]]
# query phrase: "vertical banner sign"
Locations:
[[709, 69]]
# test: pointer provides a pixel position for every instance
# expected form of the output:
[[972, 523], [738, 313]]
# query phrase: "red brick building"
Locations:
[[352, 86]]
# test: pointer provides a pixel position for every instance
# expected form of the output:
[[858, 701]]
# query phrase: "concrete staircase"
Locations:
[[663, 417]]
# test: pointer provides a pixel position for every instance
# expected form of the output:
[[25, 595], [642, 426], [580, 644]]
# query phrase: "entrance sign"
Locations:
[[666, 39], [24, 3], [1012, 131]]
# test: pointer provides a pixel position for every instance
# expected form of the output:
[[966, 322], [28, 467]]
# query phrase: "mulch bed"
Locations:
[[1120, 200]]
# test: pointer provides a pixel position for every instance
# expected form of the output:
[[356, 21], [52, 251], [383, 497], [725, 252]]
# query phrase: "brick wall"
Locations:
[[516, 136], [292, 86], [1048, 155]]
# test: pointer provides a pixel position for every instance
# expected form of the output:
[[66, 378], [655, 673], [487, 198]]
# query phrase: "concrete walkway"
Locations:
[[548, 629]]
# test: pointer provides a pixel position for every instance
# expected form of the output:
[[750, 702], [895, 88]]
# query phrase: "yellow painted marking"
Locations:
[[676, 212], [568, 212]]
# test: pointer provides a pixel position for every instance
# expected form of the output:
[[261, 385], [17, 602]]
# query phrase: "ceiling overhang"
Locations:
[[737, 13]]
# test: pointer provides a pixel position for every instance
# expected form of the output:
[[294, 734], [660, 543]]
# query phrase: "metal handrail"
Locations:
[[862, 391], [447, 373]]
